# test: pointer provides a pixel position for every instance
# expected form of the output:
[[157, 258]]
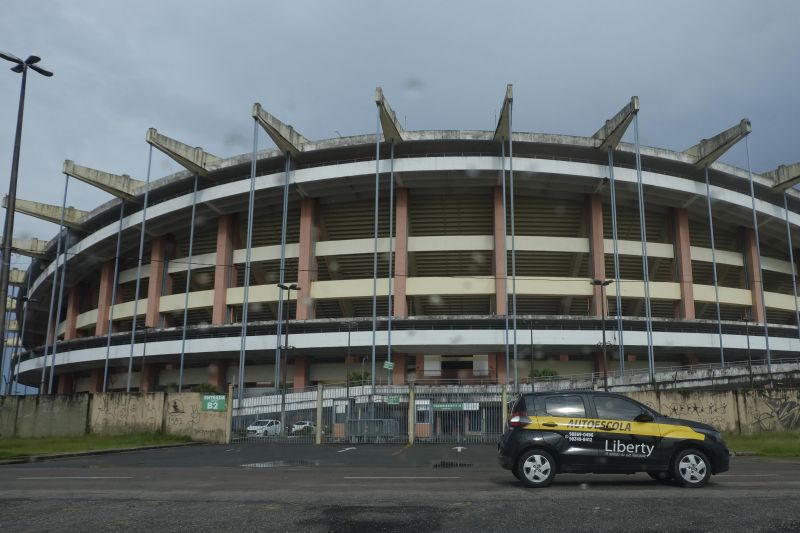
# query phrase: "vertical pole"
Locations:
[[282, 271], [714, 269], [375, 245], [643, 237], [758, 252], [53, 290], [113, 294], [513, 235], [505, 259], [54, 349], [139, 269], [791, 261], [390, 308], [188, 284], [246, 296], [615, 242], [603, 320], [20, 337]]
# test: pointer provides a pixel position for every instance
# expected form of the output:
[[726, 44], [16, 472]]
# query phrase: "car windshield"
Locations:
[[260, 423]]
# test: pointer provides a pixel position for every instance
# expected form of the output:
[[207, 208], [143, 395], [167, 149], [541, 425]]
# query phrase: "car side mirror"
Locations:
[[643, 417]]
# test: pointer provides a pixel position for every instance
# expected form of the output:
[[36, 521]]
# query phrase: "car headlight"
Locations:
[[712, 434]]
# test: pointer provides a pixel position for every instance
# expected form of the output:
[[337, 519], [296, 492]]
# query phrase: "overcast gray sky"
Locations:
[[192, 69]]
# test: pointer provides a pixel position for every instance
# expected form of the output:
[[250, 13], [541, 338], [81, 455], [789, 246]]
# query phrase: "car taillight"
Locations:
[[518, 419]]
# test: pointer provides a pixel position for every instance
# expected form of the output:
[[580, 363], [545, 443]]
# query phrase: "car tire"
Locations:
[[661, 476], [535, 468], [691, 468]]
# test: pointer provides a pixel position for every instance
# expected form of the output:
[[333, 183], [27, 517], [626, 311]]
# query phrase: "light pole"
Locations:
[[20, 67], [288, 289], [603, 283], [746, 317]]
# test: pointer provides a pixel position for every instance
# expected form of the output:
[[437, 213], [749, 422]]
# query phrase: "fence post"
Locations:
[[412, 413], [318, 436], [503, 406]]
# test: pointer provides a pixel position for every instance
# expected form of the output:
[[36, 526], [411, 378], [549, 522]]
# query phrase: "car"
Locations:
[[264, 428], [303, 427], [600, 432]]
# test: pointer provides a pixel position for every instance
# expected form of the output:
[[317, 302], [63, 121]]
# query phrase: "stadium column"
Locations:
[[399, 374], [65, 384], [73, 303], [597, 258], [224, 272], [753, 273], [401, 253], [147, 378], [104, 298], [307, 260], [158, 284], [684, 308], [500, 255], [96, 380], [497, 367], [300, 372], [217, 375]]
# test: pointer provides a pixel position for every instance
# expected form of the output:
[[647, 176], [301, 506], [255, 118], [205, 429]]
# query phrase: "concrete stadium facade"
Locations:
[[461, 278]]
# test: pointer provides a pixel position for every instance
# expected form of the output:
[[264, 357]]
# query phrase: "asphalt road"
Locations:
[[375, 488]]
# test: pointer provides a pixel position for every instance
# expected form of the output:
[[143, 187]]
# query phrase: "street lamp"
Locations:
[[288, 289], [8, 229], [603, 283]]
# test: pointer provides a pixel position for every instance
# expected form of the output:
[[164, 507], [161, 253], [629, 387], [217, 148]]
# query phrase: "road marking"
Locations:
[[747, 475], [401, 450], [74, 477], [459, 448], [402, 477], [347, 449]]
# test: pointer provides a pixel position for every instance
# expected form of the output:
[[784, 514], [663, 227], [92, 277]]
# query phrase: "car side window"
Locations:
[[564, 406], [616, 408]]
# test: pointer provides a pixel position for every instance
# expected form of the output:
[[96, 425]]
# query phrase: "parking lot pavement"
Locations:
[[376, 488]]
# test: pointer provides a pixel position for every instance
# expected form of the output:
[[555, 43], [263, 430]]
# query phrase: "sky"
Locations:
[[193, 68]]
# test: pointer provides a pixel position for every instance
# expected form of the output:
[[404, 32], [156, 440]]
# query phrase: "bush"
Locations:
[[206, 388], [543, 373]]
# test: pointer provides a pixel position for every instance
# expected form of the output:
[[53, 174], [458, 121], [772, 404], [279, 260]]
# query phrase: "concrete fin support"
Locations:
[[283, 135], [73, 218], [612, 131], [120, 185], [709, 150], [784, 177], [193, 159], [502, 122], [392, 130], [16, 277], [29, 247]]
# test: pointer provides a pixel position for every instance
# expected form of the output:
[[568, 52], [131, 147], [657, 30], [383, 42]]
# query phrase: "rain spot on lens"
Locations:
[[478, 258], [235, 139], [272, 277], [256, 307], [585, 350], [414, 87], [202, 279], [559, 209], [435, 299], [472, 172], [333, 265]]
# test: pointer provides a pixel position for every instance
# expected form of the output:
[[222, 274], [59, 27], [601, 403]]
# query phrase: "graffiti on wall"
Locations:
[[700, 408], [125, 411], [777, 411]]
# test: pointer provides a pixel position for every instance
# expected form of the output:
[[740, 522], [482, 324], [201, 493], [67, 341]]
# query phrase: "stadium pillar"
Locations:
[[300, 372], [399, 374], [147, 378], [307, 261], [224, 271], [96, 380], [65, 384], [73, 302], [216, 375], [753, 265], [684, 308], [104, 298], [497, 367], [157, 282], [597, 258], [401, 253], [500, 255]]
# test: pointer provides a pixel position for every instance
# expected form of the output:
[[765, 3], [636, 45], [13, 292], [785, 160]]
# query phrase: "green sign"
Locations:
[[388, 365], [393, 400], [214, 402], [448, 407]]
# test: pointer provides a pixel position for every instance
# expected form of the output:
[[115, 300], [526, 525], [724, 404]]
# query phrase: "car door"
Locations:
[[627, 436], [558, 415]]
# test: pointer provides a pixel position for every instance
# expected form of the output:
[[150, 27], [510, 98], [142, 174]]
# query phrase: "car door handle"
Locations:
[[549, 424]]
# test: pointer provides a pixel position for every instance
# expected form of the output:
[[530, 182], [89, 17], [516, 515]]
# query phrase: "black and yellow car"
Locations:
[[598, 432]]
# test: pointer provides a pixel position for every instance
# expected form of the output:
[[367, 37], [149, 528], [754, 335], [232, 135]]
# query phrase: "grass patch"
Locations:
[[771, 444], [11, 448]]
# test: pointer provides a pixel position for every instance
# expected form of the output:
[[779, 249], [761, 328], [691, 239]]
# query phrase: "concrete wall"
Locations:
[[116, 413], [43, 416], [183, 416]]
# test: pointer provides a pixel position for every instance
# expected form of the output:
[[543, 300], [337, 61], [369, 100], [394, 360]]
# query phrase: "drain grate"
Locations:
[[451, 464]]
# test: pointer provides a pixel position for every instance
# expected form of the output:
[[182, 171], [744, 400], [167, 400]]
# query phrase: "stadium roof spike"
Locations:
[[16, 277], [121, 186], [283, 135], [610, 134], [73, 218], [193, 159], [502, 122], [784, 177], [392, 130], [709, 150], [34, 248]]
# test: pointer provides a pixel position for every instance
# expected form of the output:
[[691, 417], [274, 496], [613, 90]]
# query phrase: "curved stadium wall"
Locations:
[[460, 277]]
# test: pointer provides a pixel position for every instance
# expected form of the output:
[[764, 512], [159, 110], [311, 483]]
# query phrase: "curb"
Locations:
[[68, 455], [743, 453]]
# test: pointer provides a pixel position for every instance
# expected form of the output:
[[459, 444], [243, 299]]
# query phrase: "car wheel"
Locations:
[[536, 468], [660, 476], [691, 468]]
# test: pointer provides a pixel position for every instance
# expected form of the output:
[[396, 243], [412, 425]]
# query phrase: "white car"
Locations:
[[263, 428], [303, 427]]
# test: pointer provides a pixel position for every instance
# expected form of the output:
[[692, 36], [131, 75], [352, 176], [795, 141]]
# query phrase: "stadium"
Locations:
[[402, 257]]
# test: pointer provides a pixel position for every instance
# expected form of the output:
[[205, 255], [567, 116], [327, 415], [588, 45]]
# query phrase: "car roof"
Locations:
[[573, 392]]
